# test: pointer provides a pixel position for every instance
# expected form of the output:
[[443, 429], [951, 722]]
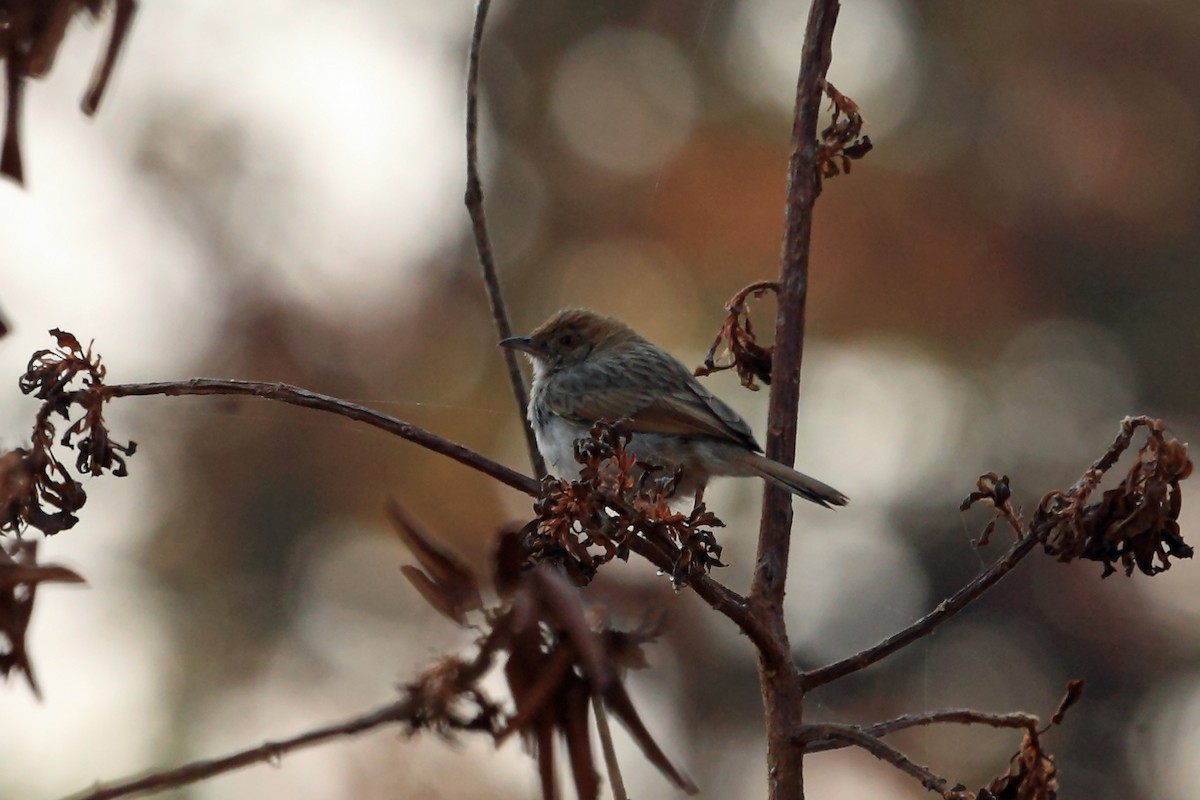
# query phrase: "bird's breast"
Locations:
[[556, 439]]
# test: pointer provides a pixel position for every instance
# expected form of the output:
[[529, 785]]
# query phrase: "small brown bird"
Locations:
[[588, 367]]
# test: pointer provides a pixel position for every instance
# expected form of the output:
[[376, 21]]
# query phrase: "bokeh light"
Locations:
[[624, 100]]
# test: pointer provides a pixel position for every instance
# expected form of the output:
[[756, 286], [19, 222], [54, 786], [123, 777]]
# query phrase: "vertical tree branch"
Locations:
[[802, 189], [483, 243], [782, 692]]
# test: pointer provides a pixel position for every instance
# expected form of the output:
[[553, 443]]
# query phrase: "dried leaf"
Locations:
[[618, 702], [742, 352], [574, 722], [1031, 775], [30, 36], [842, 142], [1135, 524], [582, 525], [20, 575], [448, 584]]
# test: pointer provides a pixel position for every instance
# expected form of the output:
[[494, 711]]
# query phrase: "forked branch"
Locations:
[[852, 735]]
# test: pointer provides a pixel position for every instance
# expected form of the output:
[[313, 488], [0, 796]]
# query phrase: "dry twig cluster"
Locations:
[[616, 498], [741, 352], [1135, 523]]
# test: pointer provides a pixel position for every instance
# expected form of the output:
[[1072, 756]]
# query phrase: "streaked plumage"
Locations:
[[588, 367]]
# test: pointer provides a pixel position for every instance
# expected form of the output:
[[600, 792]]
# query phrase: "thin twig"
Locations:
[[723, 600], [296, 396], [738, 301], [483, 243], [925, 625], [615, 782], [960, 716], [852, 735], [270, 752]]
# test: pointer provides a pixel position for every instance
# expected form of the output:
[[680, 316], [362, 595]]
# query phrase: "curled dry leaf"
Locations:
[[583, 524], [742, 351], [1031, 775], [31, 32], [36, 489], [994, 490], [1135, 524], [555, 660], [842, 142], [558, 663], [447, 583]]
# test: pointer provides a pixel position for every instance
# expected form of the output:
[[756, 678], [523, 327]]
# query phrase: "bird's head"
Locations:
[[570, 337]]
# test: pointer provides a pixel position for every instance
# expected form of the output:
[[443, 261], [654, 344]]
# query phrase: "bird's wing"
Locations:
[[730, 420], [668, 400]]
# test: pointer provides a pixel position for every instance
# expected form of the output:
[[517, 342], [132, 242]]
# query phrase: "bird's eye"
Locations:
[[568, 340]]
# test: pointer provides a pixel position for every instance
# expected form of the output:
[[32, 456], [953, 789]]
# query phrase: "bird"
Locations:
[[589, 367]]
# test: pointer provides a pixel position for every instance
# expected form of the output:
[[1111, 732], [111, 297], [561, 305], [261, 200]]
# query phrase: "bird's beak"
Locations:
[[526, 344]]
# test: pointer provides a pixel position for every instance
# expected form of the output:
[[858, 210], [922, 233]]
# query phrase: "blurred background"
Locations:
[[273, 191]]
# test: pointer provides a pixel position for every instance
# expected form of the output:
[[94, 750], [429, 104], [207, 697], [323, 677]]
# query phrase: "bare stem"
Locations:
[[270, 752], [926, 624], [296, 396], [726, 602], [792, 293], [483, 242], [616, 783], [782, 692], [960, 716], [857, 737]]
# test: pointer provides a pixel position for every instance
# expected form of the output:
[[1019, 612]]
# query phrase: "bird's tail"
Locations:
[[796, 482]]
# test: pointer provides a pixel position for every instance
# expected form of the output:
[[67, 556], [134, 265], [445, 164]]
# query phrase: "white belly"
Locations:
[[556, 441]]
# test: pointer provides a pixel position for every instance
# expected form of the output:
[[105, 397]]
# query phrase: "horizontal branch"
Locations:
[[296, 396], [269, 752], [854, 736], [959, 716], [926, 625], [722, 599]]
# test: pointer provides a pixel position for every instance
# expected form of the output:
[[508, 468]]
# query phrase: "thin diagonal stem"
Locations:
[[852, 735], [926, 624], [483, 242], [957, 716], [293, 395], [399, 711], [723, 600]]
